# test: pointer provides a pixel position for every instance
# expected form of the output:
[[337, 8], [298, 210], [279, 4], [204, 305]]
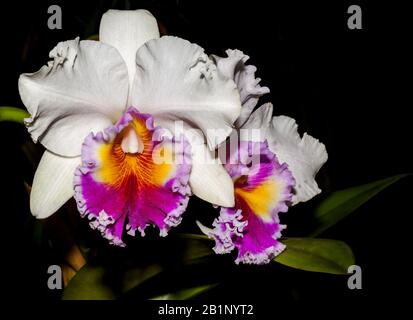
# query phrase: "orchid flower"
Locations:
[[282, 174], [102, 108]]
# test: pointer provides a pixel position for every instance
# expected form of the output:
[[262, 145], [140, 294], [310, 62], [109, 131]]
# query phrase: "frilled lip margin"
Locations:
[[178, 185], [255, 237]]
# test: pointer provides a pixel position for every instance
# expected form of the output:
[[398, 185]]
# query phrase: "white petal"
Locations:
[[83, 89], [234, 67], [304, 156], [52, 184], [175, 80], [209, 180], [127, 31], [255, 129]]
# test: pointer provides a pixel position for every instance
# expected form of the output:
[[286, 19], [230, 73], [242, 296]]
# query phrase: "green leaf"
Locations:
[[317, 255], [96, 282], [197, 246], [13, 114], [193, 236], [341, 203], [197, 249], [90, 282], [185, 294]]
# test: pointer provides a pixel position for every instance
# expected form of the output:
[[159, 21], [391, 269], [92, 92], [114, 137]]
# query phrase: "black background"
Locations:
[[343, 86]]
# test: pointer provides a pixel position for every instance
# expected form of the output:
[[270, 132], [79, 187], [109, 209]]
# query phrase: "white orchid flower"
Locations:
[[95, 95], [272, 168]]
